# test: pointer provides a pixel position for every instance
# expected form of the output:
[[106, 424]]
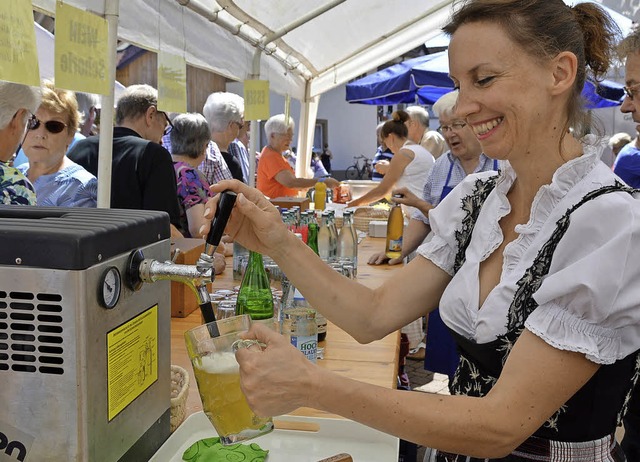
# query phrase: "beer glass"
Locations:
[[218, 377]]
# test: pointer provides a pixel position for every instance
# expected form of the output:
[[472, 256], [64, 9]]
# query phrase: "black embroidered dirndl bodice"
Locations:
[[595, 410]]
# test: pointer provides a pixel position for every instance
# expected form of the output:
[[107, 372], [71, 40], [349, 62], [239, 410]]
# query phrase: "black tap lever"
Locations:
[[225, 205]]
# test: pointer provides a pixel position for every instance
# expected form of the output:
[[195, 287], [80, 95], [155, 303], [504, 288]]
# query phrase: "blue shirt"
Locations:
[[72, 186], [438, 178], [380, 155], [627, 165], [239, 151]]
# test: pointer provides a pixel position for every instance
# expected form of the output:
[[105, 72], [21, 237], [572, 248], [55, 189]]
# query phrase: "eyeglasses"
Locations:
[[169, 126], [52, 126], [631, 90], [454, 126]]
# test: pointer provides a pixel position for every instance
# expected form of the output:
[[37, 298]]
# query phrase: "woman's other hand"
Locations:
[[277, 379]]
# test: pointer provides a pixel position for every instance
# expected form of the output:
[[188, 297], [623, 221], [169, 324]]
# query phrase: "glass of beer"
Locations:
[[218, 377]]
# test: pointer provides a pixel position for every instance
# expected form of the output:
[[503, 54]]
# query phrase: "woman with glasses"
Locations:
[[409, 167], [535, 269], [57, 179]]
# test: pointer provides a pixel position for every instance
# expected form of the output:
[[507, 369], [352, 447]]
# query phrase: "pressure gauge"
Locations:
[[110, 287]]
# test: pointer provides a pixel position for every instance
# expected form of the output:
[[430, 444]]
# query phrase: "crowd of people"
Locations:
[[520, 249]]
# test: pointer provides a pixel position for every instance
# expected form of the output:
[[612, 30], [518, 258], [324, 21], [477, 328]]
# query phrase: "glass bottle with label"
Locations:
[[299, 324], [325, 238], [347, 244], [255, 297], [395, 230]]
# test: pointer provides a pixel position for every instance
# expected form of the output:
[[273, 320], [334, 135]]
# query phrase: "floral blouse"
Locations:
[[193, 189], [15, 188]]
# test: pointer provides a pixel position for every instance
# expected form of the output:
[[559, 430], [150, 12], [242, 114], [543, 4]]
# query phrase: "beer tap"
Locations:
[[196, 277]]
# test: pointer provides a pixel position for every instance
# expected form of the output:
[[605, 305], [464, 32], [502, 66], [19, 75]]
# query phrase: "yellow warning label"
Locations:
[[132, 359]]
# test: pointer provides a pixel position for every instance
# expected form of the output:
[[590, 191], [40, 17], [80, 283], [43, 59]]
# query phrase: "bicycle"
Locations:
[[355, 172]]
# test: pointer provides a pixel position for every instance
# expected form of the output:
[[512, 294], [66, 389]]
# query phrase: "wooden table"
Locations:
[[374, 363]]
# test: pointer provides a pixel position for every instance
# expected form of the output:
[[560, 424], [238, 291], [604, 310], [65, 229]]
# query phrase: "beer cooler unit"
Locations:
[[84, 358]]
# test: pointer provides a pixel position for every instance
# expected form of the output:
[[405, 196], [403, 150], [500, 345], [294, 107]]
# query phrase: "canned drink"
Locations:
[[299, 324]]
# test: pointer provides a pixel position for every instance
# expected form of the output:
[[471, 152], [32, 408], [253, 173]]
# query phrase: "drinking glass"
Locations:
[[218, 377]]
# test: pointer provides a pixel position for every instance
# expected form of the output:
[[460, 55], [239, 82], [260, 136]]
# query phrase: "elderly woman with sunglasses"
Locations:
[[57, 179]]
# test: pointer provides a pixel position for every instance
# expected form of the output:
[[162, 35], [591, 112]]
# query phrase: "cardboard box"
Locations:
[[377, 228], [288, 202], [183, 299]]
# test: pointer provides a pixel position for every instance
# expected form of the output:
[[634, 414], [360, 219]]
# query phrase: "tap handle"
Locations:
[[225, 205]]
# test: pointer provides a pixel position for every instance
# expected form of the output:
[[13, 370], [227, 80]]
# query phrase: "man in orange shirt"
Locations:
[[276, 178]]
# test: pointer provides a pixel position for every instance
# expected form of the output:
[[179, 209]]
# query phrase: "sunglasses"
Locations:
[[52, 126], [169, 126]]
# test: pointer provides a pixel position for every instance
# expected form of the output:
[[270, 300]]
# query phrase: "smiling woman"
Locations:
[[58, 181], [534, 268]]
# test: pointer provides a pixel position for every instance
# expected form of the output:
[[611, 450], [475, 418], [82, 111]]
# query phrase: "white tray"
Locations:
[[334, 436]]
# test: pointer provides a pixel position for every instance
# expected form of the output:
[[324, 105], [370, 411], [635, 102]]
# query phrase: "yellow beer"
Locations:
[[218, 378]]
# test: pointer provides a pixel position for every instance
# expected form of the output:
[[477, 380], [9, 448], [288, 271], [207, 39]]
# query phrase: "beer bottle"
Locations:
[[395, 229], [255, 297], [320, 195]]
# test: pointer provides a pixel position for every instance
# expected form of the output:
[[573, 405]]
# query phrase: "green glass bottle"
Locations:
[[254, 297], [312, 237]]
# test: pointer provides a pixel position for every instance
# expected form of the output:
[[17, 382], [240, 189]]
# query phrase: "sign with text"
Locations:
[[81, 50], [18, 51], [172, 82], [256, 99]]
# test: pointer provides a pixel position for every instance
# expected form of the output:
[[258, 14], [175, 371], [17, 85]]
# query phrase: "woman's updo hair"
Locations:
[[396, 125], [544, 28]]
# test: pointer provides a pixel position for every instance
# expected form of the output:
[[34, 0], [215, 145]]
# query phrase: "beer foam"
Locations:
[[219, 363]]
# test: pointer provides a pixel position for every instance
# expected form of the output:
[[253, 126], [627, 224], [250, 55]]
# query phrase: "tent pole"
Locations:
[[105, 150]]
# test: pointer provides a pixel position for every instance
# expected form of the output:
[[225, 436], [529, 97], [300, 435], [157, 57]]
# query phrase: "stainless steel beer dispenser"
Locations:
[[84, 359]]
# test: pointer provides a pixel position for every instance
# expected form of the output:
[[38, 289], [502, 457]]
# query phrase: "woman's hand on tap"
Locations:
[[255, 222]]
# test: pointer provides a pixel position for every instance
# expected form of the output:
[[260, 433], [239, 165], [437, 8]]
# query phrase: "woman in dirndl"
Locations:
[[535, 269]]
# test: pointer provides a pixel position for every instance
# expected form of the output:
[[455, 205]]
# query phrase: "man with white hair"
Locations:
[[89, 108], [17, 105], [418, 126], [224, 112]]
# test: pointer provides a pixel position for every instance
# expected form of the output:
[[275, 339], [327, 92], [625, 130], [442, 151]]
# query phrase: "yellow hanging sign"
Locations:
[[81, 50], [256, 99], [172, 82], [18, 51]]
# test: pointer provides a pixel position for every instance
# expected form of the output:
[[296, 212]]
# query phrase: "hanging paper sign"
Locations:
[[18, 51], [287, 108], [172, 82], [81, 50], [256, 99]]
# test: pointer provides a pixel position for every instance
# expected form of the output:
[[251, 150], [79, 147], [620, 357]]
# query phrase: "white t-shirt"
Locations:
[[416, 174], [590, 300]]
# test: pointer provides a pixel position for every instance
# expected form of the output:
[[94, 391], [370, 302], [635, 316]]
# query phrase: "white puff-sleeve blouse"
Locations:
[[589, 302]]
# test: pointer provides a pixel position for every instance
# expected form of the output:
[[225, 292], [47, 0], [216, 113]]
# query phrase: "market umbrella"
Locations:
[[426, 78]]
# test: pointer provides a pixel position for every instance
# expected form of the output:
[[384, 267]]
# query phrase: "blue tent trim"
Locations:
[[426, 78]]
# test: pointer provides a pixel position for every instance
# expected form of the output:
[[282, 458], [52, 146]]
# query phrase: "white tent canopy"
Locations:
[[346, 38]]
